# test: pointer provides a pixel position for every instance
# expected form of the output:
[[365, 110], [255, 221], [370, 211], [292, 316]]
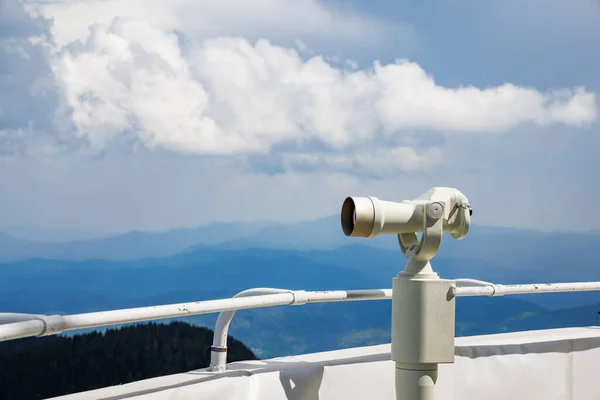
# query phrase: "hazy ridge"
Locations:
[[220, 260]]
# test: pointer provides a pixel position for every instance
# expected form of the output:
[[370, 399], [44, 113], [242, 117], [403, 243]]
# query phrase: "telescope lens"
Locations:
[[357, 216], [348, 216]]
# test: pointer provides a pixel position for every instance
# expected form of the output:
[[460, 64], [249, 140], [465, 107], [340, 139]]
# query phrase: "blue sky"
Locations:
[[127, 114]]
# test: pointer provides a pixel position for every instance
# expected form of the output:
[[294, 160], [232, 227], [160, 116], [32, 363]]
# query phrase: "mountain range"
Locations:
[[507, 246], [219, 260]]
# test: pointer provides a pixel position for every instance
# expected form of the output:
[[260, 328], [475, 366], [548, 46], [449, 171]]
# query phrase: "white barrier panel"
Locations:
[[533, 365]]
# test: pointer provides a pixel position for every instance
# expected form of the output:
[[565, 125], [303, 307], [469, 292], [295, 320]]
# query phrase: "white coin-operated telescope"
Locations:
[[423, 307]]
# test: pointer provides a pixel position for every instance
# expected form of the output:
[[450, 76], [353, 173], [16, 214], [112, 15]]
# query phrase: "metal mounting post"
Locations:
[[422, 311]]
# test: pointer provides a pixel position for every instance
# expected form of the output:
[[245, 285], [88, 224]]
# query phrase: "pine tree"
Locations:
[[37, 368]]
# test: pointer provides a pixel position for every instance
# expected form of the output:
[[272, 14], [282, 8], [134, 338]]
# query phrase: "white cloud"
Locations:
[[229, 96], [165, 80]]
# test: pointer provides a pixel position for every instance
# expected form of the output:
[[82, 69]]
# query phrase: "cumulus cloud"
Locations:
[[148, 82], [230, 96]]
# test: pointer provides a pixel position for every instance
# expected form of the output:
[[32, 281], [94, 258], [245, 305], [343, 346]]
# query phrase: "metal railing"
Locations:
[[218, 350], [481, 288], [15, 326]]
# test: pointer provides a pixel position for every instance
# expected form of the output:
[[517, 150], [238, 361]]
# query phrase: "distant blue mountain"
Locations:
[[321, 233], [201, 272], [128, 246], [219, 260], [544, 254], [324, 233], [59, 286], [500, 255]]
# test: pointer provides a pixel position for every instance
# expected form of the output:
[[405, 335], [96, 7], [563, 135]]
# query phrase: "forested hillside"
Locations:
[[38, 368]]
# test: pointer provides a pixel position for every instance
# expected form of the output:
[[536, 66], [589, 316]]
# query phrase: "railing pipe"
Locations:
[[9, 318], [491, 289], [55, 324], [218, 350], [15, 326], [51, 325]]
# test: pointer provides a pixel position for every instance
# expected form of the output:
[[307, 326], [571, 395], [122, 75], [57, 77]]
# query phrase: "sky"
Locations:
[[119, 115]]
